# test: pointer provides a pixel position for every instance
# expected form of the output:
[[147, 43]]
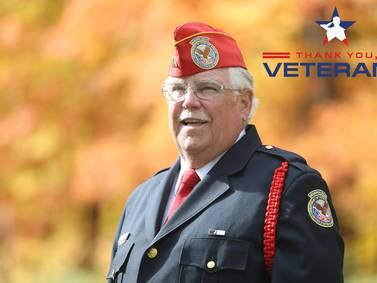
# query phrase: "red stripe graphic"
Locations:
[[267, 56], [276, 55]]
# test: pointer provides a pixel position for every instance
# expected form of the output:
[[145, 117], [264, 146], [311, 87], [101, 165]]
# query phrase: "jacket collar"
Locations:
[[238, 155]]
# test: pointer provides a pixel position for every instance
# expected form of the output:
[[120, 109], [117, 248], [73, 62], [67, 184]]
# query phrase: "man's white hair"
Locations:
[[241, 79]]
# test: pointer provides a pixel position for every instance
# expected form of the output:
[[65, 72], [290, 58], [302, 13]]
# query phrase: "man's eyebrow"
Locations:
[[206, 81], [198, 81]]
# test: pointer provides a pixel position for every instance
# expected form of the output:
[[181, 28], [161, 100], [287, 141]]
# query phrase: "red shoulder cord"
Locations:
[[272, 212]]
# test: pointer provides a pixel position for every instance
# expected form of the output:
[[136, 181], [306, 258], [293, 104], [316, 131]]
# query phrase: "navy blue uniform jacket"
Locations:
[[231, 199]]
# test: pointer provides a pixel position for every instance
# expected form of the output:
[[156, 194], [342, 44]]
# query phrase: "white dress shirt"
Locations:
[[202, 171]]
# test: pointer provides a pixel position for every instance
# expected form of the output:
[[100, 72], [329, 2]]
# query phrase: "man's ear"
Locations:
[[246, 97]]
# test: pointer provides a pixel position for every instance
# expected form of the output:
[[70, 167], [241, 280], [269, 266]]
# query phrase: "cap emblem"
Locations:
[[203, 53]]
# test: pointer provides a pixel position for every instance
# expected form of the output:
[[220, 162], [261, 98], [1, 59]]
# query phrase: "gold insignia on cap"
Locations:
[[174, 62]]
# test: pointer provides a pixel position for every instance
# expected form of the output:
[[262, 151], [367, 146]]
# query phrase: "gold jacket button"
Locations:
[[269, 147], [211, 264], [152, 253]]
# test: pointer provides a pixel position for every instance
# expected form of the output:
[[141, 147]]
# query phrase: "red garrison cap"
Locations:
[[200, 47]]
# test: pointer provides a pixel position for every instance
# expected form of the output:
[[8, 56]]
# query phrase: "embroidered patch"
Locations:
[[319, 209], [203, 53]]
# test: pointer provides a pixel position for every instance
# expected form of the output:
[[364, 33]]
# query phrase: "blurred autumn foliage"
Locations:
[[82, 120]]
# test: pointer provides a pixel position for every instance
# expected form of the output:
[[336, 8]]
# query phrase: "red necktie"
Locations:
[[189, 180]]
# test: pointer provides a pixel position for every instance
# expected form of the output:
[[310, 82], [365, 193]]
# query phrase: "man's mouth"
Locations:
[[193, 122]]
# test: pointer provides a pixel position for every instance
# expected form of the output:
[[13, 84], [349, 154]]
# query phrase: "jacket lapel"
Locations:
[[157, 201], [205, 193]]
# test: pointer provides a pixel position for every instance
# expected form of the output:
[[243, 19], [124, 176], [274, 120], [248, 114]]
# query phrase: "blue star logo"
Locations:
[[335, 28]]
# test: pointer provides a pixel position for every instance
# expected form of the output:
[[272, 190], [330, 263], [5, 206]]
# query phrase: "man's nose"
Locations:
[[191, 100]]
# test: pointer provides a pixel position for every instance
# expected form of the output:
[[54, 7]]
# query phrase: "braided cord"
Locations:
[[272, 212]]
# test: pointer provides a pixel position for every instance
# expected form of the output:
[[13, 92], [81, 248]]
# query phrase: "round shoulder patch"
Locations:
[[203, 53], [319, 209]]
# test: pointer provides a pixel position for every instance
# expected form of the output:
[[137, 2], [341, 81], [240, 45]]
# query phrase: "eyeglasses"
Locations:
[[205, 90]]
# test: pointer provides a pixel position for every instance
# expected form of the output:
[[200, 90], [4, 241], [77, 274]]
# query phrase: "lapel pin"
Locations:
[[123, 238]]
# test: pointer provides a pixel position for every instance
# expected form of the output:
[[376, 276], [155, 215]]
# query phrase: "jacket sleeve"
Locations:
[[309, 247]]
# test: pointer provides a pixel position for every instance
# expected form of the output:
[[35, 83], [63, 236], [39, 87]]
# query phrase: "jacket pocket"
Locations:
[[209, 259], [119, 262]]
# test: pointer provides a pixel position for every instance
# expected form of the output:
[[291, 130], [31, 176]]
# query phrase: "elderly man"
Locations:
[[230, 209]]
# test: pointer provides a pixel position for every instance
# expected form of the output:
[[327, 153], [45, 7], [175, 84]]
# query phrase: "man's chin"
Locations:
[[192, 145]]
